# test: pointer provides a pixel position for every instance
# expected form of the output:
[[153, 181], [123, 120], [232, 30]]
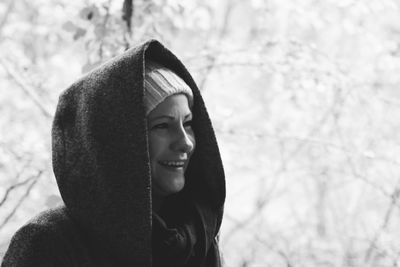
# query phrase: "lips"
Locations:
[[174, 164]]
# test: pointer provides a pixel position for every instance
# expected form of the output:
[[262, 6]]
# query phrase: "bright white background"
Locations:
[[303, 96]]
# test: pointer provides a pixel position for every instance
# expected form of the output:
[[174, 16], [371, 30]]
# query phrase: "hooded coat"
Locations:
[[101, 164]]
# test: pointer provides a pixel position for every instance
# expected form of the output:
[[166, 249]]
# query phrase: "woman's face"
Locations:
[[171, 143]]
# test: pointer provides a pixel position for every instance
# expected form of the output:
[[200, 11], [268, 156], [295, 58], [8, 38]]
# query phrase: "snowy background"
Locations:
[[304, 96]]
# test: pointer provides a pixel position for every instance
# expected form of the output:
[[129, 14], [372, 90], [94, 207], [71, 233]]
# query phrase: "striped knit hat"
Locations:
[[160, 83]]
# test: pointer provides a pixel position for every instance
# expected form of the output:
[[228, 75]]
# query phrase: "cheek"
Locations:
[[157, 146]]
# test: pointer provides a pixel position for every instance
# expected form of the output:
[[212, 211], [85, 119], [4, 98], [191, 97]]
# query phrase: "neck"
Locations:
[[157, 203]]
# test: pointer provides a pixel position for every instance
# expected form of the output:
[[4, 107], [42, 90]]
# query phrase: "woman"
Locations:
[[138, 167]]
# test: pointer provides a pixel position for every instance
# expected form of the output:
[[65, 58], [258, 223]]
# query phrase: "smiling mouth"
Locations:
[[172, 164]]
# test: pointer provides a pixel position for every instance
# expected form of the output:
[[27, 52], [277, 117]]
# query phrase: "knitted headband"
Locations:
[[160, 83]]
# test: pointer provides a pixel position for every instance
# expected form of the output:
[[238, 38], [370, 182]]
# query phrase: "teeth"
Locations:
[[173, 163]]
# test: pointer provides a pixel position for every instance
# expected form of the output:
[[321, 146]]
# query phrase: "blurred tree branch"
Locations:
[[22, 199], [214, 56], [9, 150], [15, 186], [127, 16], [278, 251], [26, 88], [127, 13], [6, 14], [388, 214], [104, 27]]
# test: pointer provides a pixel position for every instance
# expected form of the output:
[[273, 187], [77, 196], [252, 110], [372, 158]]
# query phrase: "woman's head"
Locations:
[[168, 102], [99, 155]]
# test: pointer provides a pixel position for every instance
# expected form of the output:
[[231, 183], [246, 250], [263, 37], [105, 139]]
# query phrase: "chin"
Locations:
[[166, 184], [175, 186]]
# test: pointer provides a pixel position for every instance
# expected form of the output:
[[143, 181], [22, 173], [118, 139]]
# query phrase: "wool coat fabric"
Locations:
[[101, 164]]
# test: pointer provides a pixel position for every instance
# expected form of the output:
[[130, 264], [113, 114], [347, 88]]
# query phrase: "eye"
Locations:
[[160, 126], [188, 123]]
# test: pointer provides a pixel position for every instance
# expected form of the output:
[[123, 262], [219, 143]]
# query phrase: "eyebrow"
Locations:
[[170, 117]]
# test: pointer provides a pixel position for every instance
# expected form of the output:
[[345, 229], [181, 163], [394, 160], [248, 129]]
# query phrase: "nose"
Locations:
[[184, 142]]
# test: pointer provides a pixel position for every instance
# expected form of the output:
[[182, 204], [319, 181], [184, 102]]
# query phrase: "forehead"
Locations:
[[175, 105]]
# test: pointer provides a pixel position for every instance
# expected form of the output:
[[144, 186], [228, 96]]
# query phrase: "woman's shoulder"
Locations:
[[50, 224], [52, 218], [48, 233]]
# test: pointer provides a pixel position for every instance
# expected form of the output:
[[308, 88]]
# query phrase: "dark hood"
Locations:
[[101, 162]]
